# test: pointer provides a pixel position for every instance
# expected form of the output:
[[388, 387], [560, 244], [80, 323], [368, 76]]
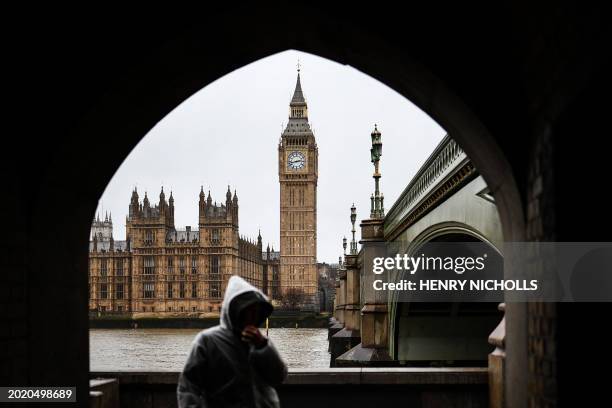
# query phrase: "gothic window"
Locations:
[[119, 291], [103, 269], [214, 265], [149, 265], [103, 291], [170, 265], [194, 289], [149, 290], [170, 288], [194, 265], [119, 267], [182, 290], [148, 237], [215, 283], [182, 265], [214, 238]]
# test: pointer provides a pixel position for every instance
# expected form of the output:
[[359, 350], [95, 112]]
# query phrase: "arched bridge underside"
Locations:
[[447, 201]]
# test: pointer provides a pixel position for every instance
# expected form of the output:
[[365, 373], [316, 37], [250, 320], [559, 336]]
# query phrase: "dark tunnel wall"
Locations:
[[522, 88]]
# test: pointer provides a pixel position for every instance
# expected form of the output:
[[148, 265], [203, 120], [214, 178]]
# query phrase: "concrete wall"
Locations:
[[354, 387]]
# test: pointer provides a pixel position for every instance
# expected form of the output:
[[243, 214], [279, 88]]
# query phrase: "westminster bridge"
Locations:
[[446, 201]]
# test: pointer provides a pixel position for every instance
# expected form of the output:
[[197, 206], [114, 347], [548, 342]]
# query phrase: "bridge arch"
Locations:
[[451, 228], [423, 333]]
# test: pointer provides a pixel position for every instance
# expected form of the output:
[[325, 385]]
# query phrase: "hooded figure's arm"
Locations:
[[190, 389], [269, 364]]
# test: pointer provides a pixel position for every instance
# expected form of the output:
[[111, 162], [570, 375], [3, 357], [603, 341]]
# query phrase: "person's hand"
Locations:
[[251, 334]]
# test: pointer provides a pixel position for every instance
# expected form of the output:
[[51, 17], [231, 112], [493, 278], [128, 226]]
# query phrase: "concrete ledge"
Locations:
[[359, 387], [104, 392], [339, 376], [138, 377], [360, 356]]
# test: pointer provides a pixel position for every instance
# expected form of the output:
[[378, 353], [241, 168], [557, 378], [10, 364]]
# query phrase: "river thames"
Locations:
[[167, 349]]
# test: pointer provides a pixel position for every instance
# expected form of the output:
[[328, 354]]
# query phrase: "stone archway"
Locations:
[[189, 61]]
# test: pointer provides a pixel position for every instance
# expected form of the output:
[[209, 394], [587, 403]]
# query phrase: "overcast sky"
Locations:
[[228, 133]]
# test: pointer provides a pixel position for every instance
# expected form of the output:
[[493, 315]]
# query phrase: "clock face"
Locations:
[[296, 160]]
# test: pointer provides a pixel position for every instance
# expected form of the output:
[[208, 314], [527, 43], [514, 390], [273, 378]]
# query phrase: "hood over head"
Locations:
[[238, 295]]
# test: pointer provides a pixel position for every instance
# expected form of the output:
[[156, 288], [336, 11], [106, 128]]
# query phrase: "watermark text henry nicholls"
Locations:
[[478, 272]]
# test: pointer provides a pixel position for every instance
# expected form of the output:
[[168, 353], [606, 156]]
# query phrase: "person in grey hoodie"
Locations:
[[233, 364]]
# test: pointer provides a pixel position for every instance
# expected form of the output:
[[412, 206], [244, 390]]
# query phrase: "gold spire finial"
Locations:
[[298, 65]]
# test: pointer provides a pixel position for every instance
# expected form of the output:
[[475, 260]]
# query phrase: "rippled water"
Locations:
[[166, 349]]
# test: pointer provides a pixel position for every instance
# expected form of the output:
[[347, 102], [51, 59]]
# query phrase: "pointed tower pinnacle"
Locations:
[[298, 95], [134, 198], [297, 106]]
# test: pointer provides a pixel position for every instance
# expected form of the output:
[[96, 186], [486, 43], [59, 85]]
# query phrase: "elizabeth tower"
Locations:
[[298, 172]]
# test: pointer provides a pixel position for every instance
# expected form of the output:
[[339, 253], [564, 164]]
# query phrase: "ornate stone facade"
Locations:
[[162, 271]]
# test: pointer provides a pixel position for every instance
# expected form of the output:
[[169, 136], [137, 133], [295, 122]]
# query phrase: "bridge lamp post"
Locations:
[[353, 250], [377, 210]]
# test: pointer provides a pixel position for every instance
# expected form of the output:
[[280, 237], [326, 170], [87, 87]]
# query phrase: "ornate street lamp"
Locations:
[[377, 206], [353, 250]]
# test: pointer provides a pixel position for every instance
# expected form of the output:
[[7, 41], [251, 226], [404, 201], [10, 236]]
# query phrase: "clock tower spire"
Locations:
[[298, 173], [297, 106]]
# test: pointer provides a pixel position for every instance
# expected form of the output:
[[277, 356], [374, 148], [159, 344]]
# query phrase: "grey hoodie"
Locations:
[[222, 370]]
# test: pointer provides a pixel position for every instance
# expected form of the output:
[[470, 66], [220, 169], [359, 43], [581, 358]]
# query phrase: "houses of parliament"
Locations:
[[161, 270]]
